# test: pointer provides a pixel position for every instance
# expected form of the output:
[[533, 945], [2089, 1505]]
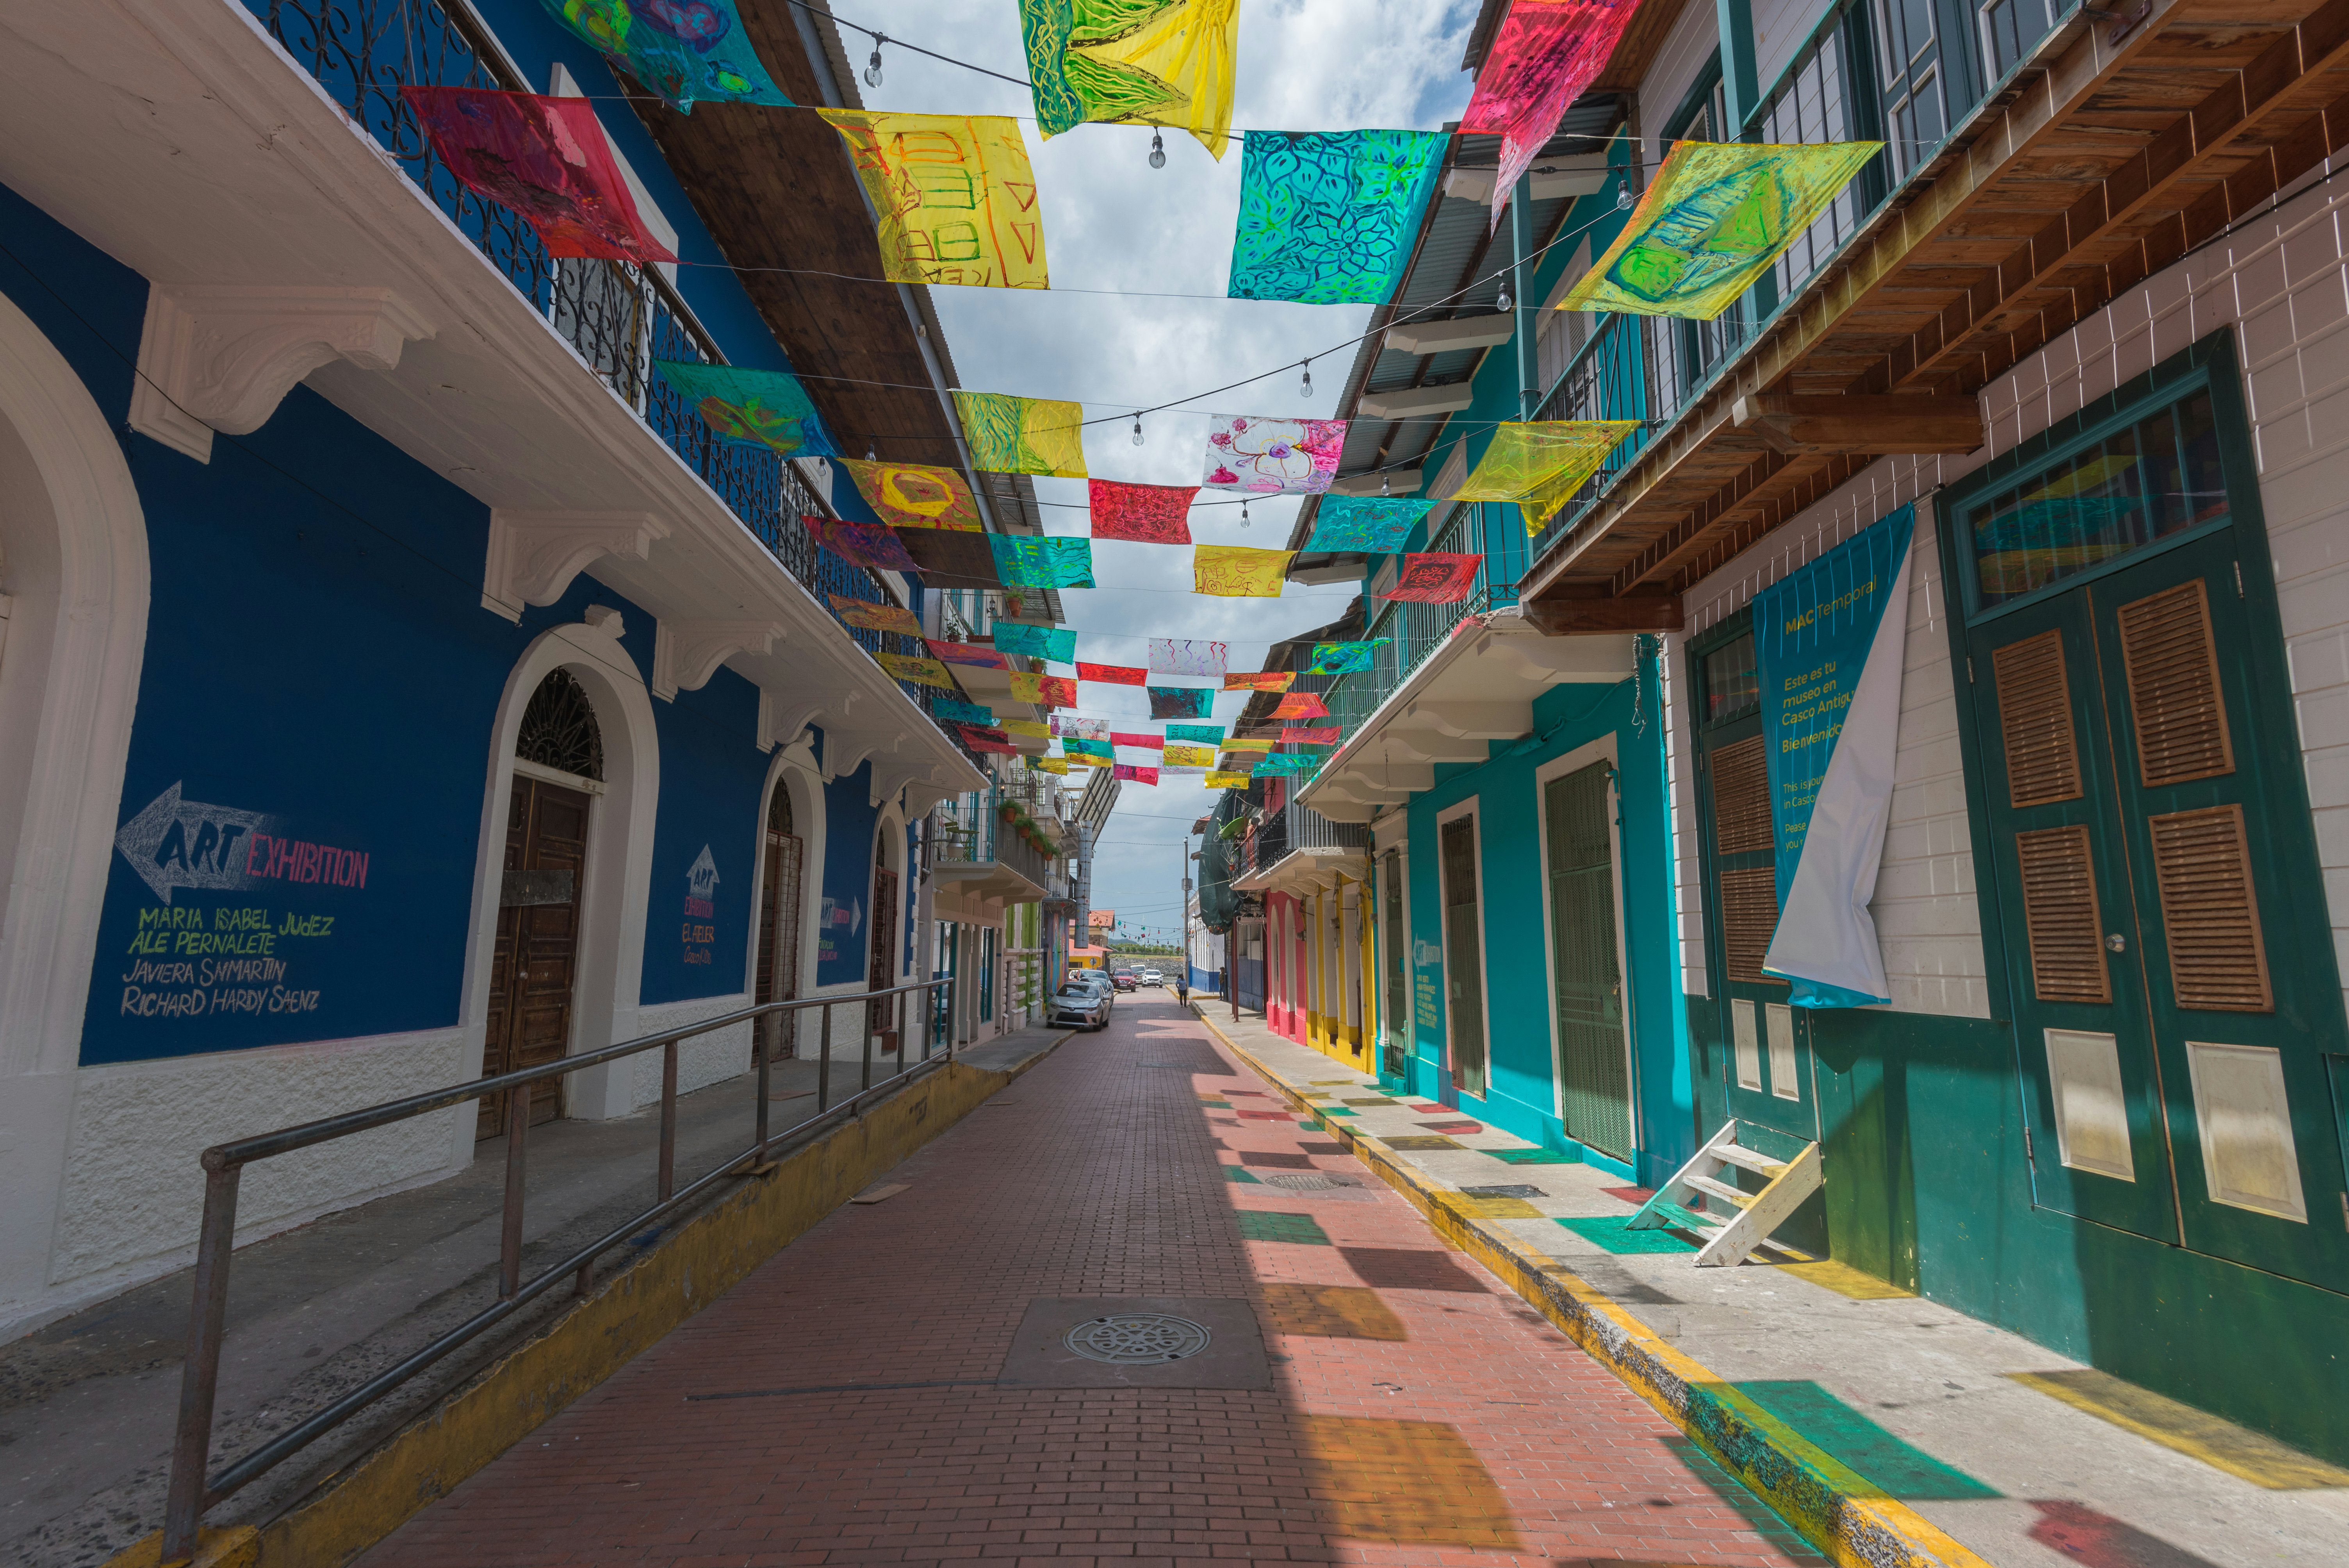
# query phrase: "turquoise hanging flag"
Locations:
[[689, 51], [1329, 217], [766, 409], [1034, 561], [1829, 642], [1373, 525], [1054, 644]]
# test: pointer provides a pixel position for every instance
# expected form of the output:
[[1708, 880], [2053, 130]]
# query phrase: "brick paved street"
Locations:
[[844, 1405]]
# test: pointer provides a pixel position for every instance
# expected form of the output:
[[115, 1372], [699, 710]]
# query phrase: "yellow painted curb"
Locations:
[[1836, 1509], [699, 1261]]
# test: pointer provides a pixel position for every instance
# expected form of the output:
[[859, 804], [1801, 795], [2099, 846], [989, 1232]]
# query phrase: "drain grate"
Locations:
[[1506, 1190], [1137, 1338], [1307, 1181]]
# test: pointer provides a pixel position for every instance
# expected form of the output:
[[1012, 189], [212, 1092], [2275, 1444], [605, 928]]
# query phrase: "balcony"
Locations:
[[1296, 849], [988, 844]]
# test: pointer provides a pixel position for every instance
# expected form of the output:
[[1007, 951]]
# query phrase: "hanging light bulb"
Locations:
[[1244, 521], [872, 67], [1386, 486], [1503, 301], [1623, 195], [1137, 429], [1157, 150], [869, 455], [1305, 387]]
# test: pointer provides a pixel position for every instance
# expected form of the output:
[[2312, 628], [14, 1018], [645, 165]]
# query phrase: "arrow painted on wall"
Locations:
[[176, 842]]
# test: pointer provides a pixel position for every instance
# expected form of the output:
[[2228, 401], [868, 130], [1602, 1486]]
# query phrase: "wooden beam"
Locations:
[[1792, 422], [1559, 617]]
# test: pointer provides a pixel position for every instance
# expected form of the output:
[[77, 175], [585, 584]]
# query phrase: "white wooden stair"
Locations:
[[1735, 1222]]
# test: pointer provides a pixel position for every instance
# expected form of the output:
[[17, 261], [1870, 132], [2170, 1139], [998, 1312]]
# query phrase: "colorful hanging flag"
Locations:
[[1113, 675], [1310, 735], [1248, 743], [1439, 577], [1372, 525], [1085, 760], [1540, 465], [1227, 780], [1238, 571], [977, 655], [868, 544], [1189, 757], [1180, 702], [1075, 746], [1049, 764], [766, 409], [1009, 435], [1044, 691], [1542, 55], [1066, 724], [1037, 560], [1177, 656], [1288, 763], [1203, 734], [1338, 659], [869, 616], [1302, 704], [1715, 217], [1028, 729], [956, 196], [1141, 514], [915, 495], [1258, 680], [921, 671], [1128, 771], [1247, 452], [547, 160], [1055, 645], [1147, 62], [963, 712], [1329, 217], [1147, 742], [979, 739], [687, 51], [948, 559]]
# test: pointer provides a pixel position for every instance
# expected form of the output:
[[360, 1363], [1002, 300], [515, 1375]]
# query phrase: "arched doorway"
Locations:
[[558, 770], [776, 979], [881, 971]]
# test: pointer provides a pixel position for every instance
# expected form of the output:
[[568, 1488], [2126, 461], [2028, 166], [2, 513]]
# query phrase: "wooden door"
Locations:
[[880, 1016], [778, 973], [1586, 974], [535, 963], [1463, 965]]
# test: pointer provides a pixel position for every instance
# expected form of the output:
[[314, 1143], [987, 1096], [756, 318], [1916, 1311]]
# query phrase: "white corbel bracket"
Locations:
[[221, 356], [685, 653], [533, 555]]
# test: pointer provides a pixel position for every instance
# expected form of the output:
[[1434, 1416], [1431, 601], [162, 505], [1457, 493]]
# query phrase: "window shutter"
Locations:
[[1741, 799], [1749, 914], [2217, 961], [2059, 910], [2034, 721], [2173, 682]]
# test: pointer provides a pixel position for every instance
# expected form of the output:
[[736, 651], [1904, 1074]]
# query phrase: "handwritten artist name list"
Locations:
[[192, 963]]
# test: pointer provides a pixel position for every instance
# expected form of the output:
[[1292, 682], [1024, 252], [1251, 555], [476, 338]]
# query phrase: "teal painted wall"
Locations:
[[1523, 1099]]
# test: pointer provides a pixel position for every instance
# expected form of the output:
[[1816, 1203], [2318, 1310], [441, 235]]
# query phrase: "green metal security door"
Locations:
[[1586, 977], [1463, 961]]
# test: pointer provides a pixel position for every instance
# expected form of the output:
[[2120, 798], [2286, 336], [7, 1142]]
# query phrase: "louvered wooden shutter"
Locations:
[[1741, 798], [2034, 721], [2059, 912], [2173, 682], [1749, 915], [2217, 961]]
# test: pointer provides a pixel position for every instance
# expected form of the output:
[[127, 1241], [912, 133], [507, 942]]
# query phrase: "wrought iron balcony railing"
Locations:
[[620, 318], [985, 827]]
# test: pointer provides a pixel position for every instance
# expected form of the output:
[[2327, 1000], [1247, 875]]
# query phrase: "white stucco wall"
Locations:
[[2282, 284]]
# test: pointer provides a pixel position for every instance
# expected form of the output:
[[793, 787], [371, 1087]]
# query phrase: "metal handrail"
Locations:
[[191, 1494]]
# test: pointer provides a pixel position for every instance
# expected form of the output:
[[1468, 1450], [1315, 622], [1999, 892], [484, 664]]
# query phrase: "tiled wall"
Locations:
[[2282, 284]]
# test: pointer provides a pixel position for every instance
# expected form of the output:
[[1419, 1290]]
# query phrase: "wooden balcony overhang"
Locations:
[[2125, 142]]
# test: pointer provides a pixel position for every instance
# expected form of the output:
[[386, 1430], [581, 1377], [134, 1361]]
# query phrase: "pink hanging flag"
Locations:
[[544, 158], [1300, 705], [1437, 578], [979, 739], [1309, 735], [978, 656], [1142, 514], [1138, 775], [1113, 675], [866, 544], [1147, 742], [1545, 54]]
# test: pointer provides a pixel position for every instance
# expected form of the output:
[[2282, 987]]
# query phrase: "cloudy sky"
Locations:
[[1136, 315]]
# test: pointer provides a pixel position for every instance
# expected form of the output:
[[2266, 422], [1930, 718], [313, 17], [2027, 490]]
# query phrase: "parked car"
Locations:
[[1152, 977], [1125, 980], [1082, 1005]]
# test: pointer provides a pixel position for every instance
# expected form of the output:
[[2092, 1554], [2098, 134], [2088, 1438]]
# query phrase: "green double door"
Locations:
[[2178, 1016], [1586, 960]]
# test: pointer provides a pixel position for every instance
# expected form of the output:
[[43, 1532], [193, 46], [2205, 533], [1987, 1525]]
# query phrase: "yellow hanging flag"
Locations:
[[1238, 571], [1245, 743], [1540, 466], [1139, 62], [1033, 729], [1049, 764], [1189, 757], [1012, 435], [1715, 217], [915, 495], [922, 672], [956, 195], [1227, 780]]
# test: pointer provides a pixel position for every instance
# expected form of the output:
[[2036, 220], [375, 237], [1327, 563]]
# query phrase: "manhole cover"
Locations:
[[1133, 1339], [1511, 1189], [1305, 1182]]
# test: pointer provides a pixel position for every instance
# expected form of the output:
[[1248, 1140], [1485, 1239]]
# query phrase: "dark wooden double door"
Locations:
[[536, 963]]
